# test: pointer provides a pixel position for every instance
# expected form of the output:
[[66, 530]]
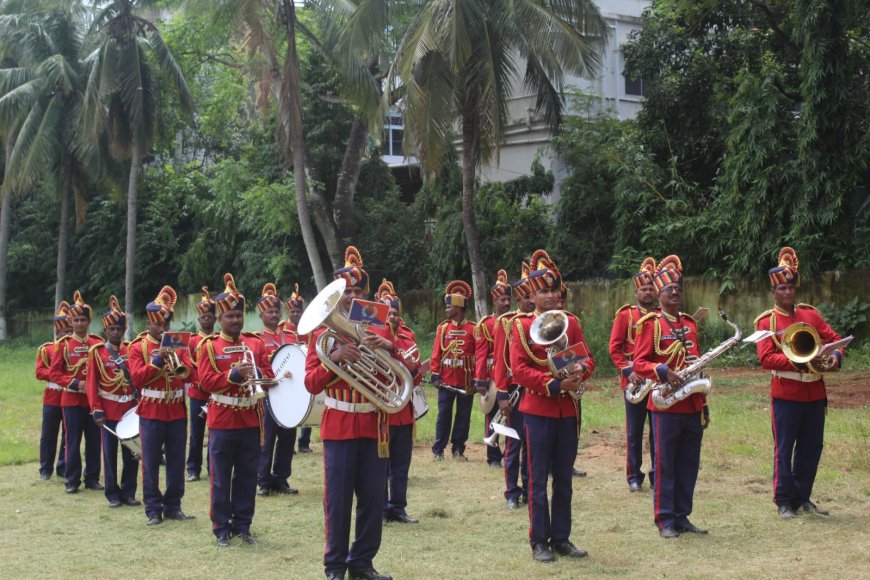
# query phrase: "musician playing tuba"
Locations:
[[667, 341], [355, 436], [797, 389]]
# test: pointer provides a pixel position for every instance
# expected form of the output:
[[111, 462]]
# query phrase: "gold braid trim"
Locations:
[[675, 349], [209, 350], [773, 330], [522, 334], [117, 381], [41, 353]]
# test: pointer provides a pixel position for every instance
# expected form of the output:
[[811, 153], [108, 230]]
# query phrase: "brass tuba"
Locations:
[[550, 329], [382, 380], [800, 343]]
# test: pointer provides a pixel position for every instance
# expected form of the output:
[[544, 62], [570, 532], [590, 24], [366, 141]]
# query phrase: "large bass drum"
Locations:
[[288, 401], [127, 431]]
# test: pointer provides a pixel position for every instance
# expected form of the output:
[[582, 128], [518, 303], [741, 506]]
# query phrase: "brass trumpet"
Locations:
[[550, 329], [173, 362], [254, 385], [499, 422]]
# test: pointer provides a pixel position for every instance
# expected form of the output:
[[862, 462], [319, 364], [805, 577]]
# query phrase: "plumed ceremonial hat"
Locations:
[[114, 315], [61, 317], [78, 307], [206, 304], [353, 272], [544, 273], [387, 294], [501, 286], [268, 298], [296, 300], [162, 307], [457, 293], [786, 270], [669, 271], [521, 286], [646, 274], [230, 298]]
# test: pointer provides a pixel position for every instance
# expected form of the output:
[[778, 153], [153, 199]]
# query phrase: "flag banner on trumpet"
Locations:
[[832, 346], [366, 313], [175, 340], [573, 355], [504, 430]]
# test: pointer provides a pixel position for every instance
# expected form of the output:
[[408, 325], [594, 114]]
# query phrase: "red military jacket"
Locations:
[[658, 348], [52, 394], [771, 356], [194, 391], [453, 359], [220, 355], [69, 368], [150, 379], [530, 370], [272, 341], [622, 339], [106, 380], [406, 351], [484, 336], [501, 363], [291, 334]]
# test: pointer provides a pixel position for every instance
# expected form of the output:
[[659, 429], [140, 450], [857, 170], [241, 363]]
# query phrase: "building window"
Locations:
[[634, 87], [394, 131]]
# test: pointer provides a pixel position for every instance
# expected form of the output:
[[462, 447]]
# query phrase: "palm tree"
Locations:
[[460, 59], [122, 97], [40, 102]]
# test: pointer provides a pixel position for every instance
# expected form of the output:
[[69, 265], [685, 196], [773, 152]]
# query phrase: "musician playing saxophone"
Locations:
[[798, 396], [667, 342]]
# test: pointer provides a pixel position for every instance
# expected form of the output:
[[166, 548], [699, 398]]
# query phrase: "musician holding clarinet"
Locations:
[[550, 410]]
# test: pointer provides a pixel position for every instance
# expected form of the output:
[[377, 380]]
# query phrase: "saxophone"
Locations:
[[694, 381]]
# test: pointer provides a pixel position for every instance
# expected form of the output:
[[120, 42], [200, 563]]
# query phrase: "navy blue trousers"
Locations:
[[157, 437], [516, 464], [493, 453], [459, 435], [551, 446], [233, 455], [798, 437], [52, 424], [635, 417], [78, 422], [276, 457], [353, 467], [129, 467], [401, 446], [678, 458], [197, 436], [305, 438]]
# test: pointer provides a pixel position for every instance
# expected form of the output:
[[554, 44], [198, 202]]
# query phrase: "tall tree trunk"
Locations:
[[5, 207], [469, 223], [63, 235], [132, 201], [345, 188], [290, 92]]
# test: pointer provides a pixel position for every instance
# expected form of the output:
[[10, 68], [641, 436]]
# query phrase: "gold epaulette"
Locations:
[[652, 314], [621, 308], [689, 316], [62, 339], [524, 314], [97, 336], [96, 347], [251, 334], [139, 336], [762, 315], [480, 329], [807, 306]]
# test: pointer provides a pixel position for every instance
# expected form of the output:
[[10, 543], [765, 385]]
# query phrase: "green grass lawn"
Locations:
[[465, 531]]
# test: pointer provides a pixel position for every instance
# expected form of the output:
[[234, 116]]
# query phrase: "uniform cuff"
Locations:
[[662, 372], [555, 387], [626, 372], [98, 414], [481, 384], [74, 385], [157, 361], [435, 378], [234, 376], [501, 396]]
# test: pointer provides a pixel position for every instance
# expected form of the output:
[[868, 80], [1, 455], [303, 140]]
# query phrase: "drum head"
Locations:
[[128, 426], [288, 401]]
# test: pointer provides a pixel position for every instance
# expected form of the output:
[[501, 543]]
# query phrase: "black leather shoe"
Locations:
[[524, 499], [635, 487], [114, 503], [811, 508], [130, 501], [247, 538], [495, 464], [569, 550], [513, 504], [97, 486], [437, 456], [179, 516], [305, 450], [223, 542], [785, 512], [401, 518], [690, 528], [284, 488], [578, 473], [192, 477], [669, 532], [44, 476], [335, 576], [154, 520], [541, 553], [368, 574], [72, 489], [459, 456], [262, 491]]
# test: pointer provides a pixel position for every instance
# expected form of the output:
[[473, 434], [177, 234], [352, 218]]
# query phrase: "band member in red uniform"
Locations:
[[622, 338], [355, 445], [516, 467], [667, 341], [295, 305], [234, 416], [550, 417], [563, 300], [401, 423], [484, 334], [453, 365], [110, 396], [198, 398], [797, 390], [52, 412], [160, 383], [69, 371], [276, 456]]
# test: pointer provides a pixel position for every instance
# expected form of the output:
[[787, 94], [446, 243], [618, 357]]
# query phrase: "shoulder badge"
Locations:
[[805, 306], [647, 316], [764, 314], [621, 308]]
